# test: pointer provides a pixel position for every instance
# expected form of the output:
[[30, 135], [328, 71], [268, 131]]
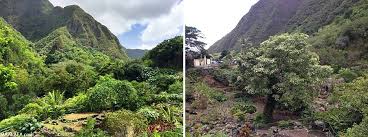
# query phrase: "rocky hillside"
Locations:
[[269, 17], [36, 19]]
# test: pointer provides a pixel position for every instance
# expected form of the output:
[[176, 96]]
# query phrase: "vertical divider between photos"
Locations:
[[184, 74]]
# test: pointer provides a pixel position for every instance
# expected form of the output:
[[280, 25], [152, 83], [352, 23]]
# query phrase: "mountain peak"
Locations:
[[36, 19]]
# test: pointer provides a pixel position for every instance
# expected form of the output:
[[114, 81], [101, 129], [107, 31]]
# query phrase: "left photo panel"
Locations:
[[87, 68]]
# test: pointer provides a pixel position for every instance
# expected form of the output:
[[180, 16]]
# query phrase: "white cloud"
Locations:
[[165, 26], [120, 15], [146, 46], [215, 18]]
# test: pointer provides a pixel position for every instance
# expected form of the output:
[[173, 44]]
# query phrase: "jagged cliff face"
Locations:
[[271, 17], [36, 19]]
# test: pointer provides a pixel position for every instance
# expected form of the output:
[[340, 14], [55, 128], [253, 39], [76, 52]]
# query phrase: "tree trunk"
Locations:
[[268, 109]]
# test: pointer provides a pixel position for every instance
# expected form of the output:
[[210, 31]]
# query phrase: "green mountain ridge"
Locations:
[[267, 18], [39, 20], [136, 53]]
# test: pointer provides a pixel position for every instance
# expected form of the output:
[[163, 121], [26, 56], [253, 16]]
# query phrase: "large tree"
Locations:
[[167, 54], [193, 38], [194, 47], [282, 68]]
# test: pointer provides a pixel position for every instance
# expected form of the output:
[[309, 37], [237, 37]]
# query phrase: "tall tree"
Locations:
[[282, 68], [192, 39]]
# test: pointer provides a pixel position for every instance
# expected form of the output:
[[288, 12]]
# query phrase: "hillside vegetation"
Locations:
[[74, 79], [296, 69]]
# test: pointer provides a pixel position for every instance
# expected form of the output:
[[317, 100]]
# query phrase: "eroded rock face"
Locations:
[[41, 18], [271, 17]]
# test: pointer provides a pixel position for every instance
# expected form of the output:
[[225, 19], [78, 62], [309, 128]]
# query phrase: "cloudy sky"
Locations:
[[139, 24], [215, 18]]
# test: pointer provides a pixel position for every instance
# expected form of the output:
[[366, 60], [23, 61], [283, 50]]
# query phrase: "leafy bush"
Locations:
[[167, 98], [348, 74], [240, 110], [102, 96], [15, 122], [134, 71], [125, 123], [29, 126], [32, 109], [177, 87], [260, 120], [340, 118], [150, 114], [168, 54], [127, 96], [110, 93], [358, 130], [178, 132], [162, 82], [90, 131], [3, 107], [285, 124], [69, 77], [204, 89], [76, 103], [145, 92], [50, 106], [170, 114]]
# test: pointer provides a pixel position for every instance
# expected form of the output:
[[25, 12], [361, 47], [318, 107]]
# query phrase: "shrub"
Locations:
[[205, 90], [260, 120], [90, 131], [170, 114], [76, 103], [162, 82], [178, 132], [358, 130], [340, 118], [348, 74], [167, 98], [134, 71], [145, 92], [225, 76], [110, 93], [125, 123], [149, 113], [3, 107], [101, 97], [29, 126], [50, 106], [285, 124], [241, 109], [14, 122], [177, 87], [127, 96], [32, 109]]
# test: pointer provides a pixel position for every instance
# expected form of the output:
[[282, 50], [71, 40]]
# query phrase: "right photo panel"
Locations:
[[276, 68]]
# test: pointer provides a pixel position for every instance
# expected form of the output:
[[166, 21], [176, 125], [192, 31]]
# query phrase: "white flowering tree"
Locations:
[[282, 68]]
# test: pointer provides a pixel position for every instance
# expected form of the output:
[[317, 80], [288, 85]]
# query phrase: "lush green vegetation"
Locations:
[[46, 81], [322, 78]]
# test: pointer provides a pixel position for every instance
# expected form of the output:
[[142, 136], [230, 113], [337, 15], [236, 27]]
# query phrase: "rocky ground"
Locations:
[[217, 118], [70, 124]]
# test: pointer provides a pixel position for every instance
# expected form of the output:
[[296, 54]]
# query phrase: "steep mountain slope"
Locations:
[[42, 18], [15, 49], [270, 17]]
